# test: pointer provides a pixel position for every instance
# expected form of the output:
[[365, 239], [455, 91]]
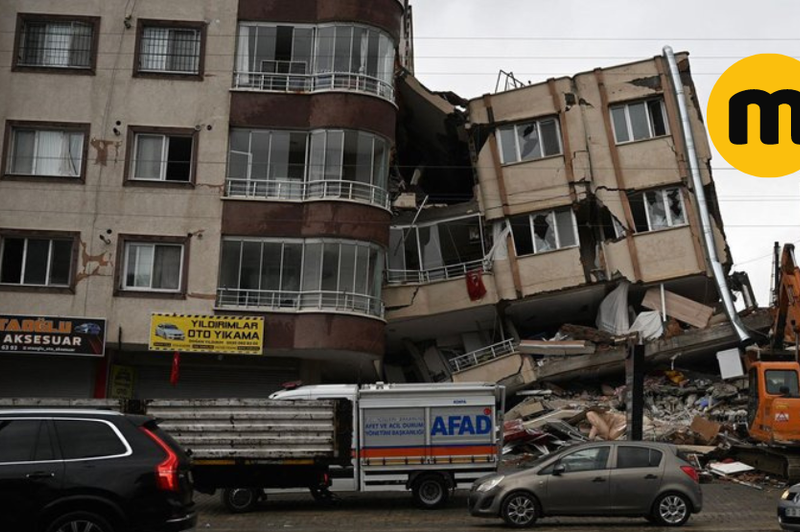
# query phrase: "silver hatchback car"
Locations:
[[618, 478]]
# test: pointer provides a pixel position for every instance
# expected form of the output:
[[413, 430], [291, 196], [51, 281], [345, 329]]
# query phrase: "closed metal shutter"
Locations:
[[46, 376], [210, 381]]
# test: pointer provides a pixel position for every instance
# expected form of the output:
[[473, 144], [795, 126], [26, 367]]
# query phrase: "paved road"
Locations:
[[727, 507]]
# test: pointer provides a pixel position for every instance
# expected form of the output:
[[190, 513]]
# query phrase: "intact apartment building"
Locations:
[[280, 160], [212, 157]]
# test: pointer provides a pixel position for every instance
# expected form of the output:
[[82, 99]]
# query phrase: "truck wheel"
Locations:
[[322, 495], [430, 491], [240, 500]]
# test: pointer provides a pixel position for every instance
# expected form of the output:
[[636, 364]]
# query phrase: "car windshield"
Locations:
[[171, 327]]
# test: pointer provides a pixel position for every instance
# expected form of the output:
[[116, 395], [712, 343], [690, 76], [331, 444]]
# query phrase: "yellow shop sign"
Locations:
[[207, 334]]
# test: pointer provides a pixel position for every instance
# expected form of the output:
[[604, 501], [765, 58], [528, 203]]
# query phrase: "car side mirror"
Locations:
[[559, 469]]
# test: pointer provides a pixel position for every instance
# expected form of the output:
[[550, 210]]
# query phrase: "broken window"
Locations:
[[611, 226], [657, 209], [544, 231], [437, 250], [639, 120], [532, 140]]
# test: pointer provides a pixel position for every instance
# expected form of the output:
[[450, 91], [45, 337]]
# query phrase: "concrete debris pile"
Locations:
[[700, 413]]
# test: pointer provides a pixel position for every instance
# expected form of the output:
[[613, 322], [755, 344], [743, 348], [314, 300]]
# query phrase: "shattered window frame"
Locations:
[[518, 131], [558, 241], [653, 122], [665, 200], [447, 269]]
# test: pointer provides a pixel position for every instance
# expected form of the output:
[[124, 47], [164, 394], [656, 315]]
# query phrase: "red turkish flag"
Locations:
[[475, 287], [176, 369]]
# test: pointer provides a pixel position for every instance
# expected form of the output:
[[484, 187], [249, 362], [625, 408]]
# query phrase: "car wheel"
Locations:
[[430, 491], [519, 510], [240, 500], [671, 509], [80, 522]]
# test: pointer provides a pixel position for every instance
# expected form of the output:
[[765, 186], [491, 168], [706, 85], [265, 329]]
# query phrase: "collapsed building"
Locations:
[[518, 213]]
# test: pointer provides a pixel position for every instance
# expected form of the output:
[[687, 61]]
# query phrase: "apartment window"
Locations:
[[639, 120], [309, 58], [544, 231], [153, 264], [531, 140], [33, 260], [657, 209], [56, 42], [434, 251], [45, 150], [298, 274], [162, 154], [170, 48], [297, 165]]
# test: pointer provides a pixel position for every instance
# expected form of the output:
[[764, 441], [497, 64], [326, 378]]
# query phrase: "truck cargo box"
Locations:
[[257, 430]]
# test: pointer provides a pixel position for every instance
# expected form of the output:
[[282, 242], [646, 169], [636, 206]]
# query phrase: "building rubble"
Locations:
[[699, 412]]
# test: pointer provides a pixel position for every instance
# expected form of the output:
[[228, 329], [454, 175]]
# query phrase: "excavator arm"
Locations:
[[787, 306]]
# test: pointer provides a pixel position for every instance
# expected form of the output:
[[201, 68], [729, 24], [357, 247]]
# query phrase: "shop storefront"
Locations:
[[48, 356]]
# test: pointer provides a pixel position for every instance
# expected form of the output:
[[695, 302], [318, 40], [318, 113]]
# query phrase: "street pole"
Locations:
[[634, 389]]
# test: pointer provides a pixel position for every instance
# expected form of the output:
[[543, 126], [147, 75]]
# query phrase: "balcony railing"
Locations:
[[325, 81], [484, 354], [296, 190], [451, 271], [284, 300]]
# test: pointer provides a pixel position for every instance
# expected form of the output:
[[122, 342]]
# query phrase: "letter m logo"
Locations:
[[769, 105]]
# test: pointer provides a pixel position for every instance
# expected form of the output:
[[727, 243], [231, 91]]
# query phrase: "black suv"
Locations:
[[91, 471]]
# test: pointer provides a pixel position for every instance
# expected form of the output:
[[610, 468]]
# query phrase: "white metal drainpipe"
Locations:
[[705, 220]]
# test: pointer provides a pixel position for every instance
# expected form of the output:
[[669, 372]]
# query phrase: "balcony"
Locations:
[[482, 355], [296, 190], [308, 83], [295, 301], [444, 273]]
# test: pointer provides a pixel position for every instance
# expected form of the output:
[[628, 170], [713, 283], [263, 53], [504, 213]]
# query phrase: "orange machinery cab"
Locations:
[[774, 405]]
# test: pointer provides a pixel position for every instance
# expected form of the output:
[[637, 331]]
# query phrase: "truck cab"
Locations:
[[429, 438], [774, 405]]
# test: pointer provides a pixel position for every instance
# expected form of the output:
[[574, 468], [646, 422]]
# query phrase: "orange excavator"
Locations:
[[774, 379]]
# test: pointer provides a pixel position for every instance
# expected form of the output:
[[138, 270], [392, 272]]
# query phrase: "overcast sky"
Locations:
[[460, 45]]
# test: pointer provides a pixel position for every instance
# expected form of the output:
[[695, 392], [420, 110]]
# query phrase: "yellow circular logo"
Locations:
[[754, 115]]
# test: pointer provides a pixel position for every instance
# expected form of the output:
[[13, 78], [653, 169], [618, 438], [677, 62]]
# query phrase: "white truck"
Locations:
[[428, 438]]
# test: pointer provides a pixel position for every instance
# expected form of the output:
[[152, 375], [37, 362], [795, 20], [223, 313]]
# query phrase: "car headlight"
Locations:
[[490, 484], [787, 495]]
